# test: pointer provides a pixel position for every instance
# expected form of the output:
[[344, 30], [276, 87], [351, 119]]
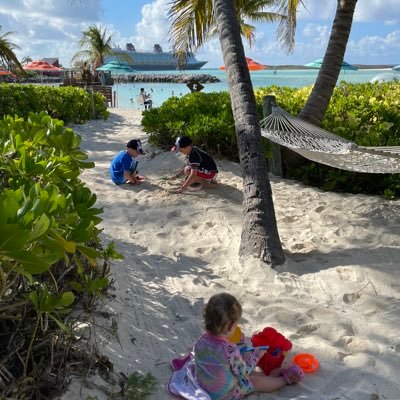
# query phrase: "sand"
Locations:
[[337, 295]]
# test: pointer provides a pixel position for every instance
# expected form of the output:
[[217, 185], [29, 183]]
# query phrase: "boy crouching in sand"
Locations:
[[200, 167], [123, 168]]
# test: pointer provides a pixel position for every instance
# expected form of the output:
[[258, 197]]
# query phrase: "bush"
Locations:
[[205, 117], [366, 113], [70, 104], [50, 251]]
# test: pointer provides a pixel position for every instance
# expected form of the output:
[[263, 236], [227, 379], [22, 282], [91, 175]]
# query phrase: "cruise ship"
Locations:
[[155, 60]]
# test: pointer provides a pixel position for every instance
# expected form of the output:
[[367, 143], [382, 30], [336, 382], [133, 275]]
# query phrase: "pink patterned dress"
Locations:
[[220, 368]]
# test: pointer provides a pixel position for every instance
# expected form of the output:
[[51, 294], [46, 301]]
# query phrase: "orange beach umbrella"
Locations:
[[41, 66], [251, 65]]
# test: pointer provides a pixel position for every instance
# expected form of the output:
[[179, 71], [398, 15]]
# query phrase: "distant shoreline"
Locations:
[[359, 66]]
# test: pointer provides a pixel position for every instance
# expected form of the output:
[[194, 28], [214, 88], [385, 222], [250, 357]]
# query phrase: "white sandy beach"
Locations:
[[337, 296]]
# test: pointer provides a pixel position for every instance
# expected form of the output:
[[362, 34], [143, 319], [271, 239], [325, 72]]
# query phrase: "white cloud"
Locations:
[[365, 11], [318, 33], [377, 10], [378, 49], [153, 27], [52, 28], [48, 28], [317, 9]]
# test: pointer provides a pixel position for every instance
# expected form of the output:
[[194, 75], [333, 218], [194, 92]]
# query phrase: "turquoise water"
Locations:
[[127, 93]]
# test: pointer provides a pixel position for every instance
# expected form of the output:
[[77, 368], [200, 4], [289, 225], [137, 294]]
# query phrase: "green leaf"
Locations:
[[67, 299], [77, 286], [69, 246], [40, 228], [12, 238], [90, 253], [62, 326], [31, 263]]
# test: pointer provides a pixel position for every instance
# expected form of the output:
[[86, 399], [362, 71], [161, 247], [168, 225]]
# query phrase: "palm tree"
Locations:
[[96, 46], [191, 22], [26, 60], [317, 103], [260, 236], [7, 55]]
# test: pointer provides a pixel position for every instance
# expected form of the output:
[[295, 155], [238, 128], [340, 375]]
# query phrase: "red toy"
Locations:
[[278, 348]]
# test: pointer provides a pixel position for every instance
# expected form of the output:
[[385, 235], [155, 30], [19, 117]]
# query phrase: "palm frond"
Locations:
[[190, 22], [287, 26], [7, 54], [248, 32]]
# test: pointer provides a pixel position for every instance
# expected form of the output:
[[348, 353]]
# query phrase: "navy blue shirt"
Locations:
[[199, 159]]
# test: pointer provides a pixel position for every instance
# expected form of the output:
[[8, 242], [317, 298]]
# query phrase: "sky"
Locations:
[[52, 28]]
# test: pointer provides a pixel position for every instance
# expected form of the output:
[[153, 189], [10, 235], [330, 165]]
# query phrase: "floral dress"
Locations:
[[220, 368]]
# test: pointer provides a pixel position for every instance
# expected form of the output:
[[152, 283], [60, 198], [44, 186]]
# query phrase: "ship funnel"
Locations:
[[130, 47], [157, 49]]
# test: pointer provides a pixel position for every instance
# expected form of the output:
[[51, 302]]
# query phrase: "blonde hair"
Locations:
[[221, 309]]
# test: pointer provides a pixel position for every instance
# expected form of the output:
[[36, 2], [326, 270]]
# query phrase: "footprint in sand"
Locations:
[[350, 298], [288, 219], [307, 329], [174, 214], [162, 235]]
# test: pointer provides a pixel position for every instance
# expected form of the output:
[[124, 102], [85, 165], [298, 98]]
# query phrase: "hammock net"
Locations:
[[323, 147]]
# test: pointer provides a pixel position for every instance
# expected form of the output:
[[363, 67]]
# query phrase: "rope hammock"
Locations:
[[323, 147]]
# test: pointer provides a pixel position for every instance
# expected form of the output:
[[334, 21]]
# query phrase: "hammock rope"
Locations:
[[324, 147]]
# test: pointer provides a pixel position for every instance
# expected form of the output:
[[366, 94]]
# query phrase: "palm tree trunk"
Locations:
[[260, 236], [320, 96]]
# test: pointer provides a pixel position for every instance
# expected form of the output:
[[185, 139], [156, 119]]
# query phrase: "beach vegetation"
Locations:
[[368, 114], [26, 60], [318, 101], [96, 45], [365, 113], [7, 54], [139, 386], [70, 104], [206, 117], [49, 244], [189, 29]]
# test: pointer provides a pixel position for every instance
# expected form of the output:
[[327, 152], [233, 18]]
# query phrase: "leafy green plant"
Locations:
[[139, 386], [70, 104], [49, 238], [205, 117], [368, 114], [48, 306]]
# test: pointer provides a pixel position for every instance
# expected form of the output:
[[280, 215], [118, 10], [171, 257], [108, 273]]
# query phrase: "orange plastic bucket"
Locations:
[[307, 362]]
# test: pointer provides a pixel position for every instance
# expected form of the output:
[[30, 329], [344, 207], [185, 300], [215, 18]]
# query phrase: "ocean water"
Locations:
[[127, 93]]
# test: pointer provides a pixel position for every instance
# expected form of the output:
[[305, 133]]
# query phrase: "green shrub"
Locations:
[[70, 104], [205, 117], [50, 250], [139, 386], [368, 114]]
